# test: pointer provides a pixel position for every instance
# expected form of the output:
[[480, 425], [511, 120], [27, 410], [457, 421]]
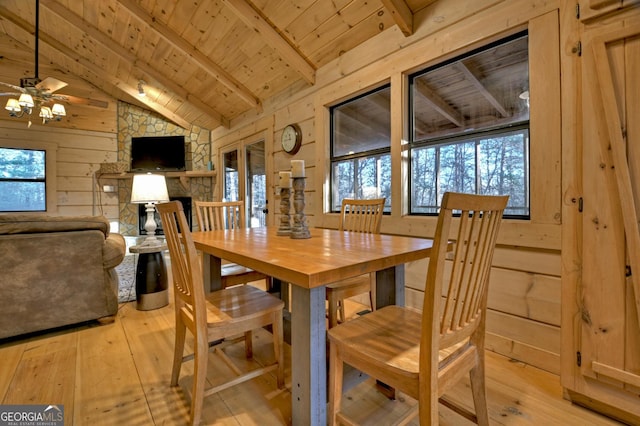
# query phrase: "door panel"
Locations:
[[608, 331]]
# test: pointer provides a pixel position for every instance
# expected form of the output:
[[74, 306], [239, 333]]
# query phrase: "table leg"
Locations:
[[390, 286], [308, 356], [211, 273]]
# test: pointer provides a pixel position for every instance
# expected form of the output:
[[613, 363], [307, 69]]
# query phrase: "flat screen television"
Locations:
[[158, 153]]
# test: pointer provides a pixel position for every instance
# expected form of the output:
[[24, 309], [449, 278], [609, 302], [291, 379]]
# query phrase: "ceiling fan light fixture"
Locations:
[[13, 106], [26, 101], [45, 113], [58, 110]]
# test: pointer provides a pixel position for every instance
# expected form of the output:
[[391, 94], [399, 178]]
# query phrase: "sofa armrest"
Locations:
[[113, 251]]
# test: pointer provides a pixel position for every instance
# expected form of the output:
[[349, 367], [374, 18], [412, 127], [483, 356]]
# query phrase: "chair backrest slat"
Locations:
[[216, 215], [361, 215], [185, 264], [459, 298]]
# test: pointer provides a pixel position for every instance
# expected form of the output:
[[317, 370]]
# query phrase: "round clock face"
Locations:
[[291, 139]]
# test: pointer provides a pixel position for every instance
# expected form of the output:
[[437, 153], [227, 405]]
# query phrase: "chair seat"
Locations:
[[389, 340], [233, 274], [239, 304]]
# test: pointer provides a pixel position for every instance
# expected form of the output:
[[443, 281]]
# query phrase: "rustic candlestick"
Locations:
[[299, 230], [285, 208]]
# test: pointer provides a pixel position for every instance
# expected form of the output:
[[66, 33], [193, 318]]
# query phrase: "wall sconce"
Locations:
[[141, 89]]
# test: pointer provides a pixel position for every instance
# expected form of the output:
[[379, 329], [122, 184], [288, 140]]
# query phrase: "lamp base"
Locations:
[[150, 227]]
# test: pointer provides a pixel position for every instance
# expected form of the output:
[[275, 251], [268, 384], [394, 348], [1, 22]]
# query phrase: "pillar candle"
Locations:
[[297, 168], [285, 179]]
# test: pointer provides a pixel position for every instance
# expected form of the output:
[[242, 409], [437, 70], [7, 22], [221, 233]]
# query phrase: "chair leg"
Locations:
[[278, 347], [199, 378], [178, 350], [335, 383], [476, 375], [342, 317], [248, 344], [333, 312]]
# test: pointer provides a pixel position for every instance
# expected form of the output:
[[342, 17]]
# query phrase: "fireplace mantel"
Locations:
[[183, 176]]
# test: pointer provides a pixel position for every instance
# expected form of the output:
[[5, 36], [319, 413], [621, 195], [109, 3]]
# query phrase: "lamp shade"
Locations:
[[149, 188], [26, 100], [13, 105], [58, 110]]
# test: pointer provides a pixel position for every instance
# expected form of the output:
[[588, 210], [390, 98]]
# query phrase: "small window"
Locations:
[[470, 127], [22, 180], [361, 148]]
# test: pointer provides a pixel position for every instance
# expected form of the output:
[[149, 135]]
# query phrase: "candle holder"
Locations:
[[285, 208], [299, 230]]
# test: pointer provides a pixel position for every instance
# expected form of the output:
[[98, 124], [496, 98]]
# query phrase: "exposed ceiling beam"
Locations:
[[401, 14], [439, 104], [471, 78], [248, 14], [173, 38], [130, 58], [112, 81]]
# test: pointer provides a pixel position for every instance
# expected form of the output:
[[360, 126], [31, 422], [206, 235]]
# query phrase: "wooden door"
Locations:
[[606, 309]]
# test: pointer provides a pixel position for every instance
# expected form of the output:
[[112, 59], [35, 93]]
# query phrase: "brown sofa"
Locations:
[[56, 271]]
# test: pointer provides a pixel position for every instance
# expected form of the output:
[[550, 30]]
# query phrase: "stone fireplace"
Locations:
[[134, 121]]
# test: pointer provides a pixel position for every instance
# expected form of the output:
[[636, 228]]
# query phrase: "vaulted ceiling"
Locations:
[[202, 62]]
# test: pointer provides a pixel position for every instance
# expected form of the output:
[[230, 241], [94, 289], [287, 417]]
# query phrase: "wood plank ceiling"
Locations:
[[203, 62]]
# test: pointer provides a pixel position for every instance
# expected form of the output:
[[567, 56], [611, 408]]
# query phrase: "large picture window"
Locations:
[[360, 148], [470, 127], [22, 180]]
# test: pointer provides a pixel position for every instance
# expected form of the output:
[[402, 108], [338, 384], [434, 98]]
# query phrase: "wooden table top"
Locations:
[[328, 256]]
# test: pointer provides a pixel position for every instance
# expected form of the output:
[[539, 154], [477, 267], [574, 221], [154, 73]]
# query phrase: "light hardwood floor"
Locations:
[[118, 374]]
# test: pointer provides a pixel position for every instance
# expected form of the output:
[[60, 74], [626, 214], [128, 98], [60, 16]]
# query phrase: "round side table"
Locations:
[[151, 277]]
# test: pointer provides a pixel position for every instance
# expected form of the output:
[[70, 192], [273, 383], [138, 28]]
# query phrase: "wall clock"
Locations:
[[291, 139]]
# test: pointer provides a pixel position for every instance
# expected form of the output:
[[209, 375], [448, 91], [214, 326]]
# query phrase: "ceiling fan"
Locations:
[[35, 93]]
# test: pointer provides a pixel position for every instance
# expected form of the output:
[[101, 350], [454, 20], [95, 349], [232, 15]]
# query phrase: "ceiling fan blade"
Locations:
[[18, 88], [50, 84], [10, 94], [82, 101]]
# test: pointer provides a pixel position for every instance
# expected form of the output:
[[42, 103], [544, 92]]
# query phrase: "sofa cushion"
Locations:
[[22, 223]]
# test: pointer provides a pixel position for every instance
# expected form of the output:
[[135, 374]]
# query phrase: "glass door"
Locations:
[[231, 189], [256, 184]]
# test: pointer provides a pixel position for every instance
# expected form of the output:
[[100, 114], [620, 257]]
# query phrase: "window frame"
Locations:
[[372, 153], [460, 136], [50, 150]]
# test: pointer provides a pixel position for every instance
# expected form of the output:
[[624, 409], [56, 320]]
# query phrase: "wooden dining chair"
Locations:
[[215, 215], [220, 315], [355, 216], [424, 353]]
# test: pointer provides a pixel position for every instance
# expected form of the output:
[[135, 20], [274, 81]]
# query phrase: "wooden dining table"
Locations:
[[309, 264]]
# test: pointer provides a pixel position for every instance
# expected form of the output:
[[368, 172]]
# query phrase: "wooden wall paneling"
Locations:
[[545, 118], [538, 335], [529, 354], [546, 262], [525, 294], [79, 153]]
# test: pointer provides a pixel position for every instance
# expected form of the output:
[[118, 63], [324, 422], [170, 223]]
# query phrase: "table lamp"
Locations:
[[149, 189]]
